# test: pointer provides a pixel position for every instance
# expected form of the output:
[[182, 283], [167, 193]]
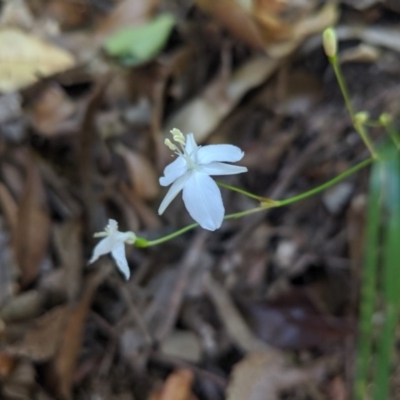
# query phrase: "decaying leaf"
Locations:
[[25, 59], [206, 111], [43, 341], [177, 387], [261, 376], [71, 338], [31, 235], [137, 45], [141, 172]]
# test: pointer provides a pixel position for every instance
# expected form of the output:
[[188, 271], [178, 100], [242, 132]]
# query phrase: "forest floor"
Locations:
[[265, 308]]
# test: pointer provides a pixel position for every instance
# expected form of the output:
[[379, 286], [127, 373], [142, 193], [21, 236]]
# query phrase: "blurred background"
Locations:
[[266, 307]]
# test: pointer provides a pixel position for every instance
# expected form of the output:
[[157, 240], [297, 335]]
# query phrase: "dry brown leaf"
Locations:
[[24, 306], [141, 172], [235, 325], [127, 13], [25, 59], [51, 111], [178, 386], [43, 341], [206, 111], [261, 376], [7, 363], [71, 338], [363, 53], [8, 206], [68, 241], [69, 14], [33, 227], [233, 17]]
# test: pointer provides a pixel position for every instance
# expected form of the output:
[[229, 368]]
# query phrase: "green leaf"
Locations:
[[142, 43], [390, 195]]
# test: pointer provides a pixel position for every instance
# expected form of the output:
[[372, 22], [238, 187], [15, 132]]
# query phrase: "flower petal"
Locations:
[[219, 152], [118, 254], [191, 145], [203, 201], [103, 247], [173, 171], [173, 191], [218, 168]]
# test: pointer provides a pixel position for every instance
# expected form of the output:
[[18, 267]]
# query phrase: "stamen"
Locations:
[[178, 136], [170, 145]]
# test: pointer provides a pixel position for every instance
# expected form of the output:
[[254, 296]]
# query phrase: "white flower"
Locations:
[[191, 172], [114, 243]]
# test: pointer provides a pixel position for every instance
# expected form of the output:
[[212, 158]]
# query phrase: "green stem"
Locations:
[[140, 242], [265, 203], [393, 135], [285, 202], [241, 191], [343, 88]]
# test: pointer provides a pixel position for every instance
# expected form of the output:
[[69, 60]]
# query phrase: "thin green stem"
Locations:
[[149, 243], [343, 88], [342, 84], [393, 135], [241, 191], [360, 128], [326, 185]]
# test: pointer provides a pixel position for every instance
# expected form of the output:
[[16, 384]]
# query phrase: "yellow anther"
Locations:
[[170, 145], [178, 136]]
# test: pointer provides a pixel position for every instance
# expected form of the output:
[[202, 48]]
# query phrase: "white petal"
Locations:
[[191, 145], [112, 224], [173, 171], [203, 201], [217, 168], [219, 152], [173, 191], [103, 247], [118, 254]]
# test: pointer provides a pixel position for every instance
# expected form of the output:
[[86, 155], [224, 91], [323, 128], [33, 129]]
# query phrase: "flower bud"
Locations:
[[385, 119], [361, 118], [330, 42]]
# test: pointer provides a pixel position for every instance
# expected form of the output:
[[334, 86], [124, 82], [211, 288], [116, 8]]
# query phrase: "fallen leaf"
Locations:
[[363, 53], [25, 59], [7, 363], [234, 17], [31, 236], [141, 172], [177, 387], [206, 111], [137, 45], [127, 13], [42, 342], [68, 238], [235, 325], [72, 336], [8, 206], [52, 110], [293, 322], [25, 305], [262, 376]]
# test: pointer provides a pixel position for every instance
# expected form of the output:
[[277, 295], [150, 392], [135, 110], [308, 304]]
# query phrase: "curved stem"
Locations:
[[326, 185], [265, 204], [241, 191], [149, 243], [343, 88]]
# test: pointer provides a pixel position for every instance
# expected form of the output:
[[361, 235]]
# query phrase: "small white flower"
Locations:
[[191, 172], [114, 243]]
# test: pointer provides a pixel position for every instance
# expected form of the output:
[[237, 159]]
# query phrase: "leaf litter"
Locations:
[[264, 308]]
